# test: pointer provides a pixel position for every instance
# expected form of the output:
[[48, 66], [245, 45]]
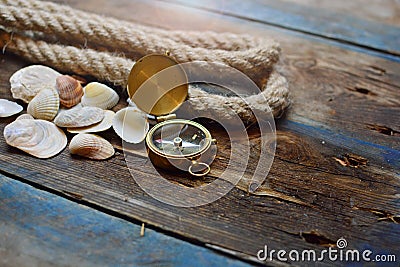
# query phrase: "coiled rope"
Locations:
[[53, 34]]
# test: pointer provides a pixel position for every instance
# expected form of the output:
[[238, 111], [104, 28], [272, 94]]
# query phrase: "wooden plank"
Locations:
[[380, 11], [36, 227], [310, 19], [359, 202]]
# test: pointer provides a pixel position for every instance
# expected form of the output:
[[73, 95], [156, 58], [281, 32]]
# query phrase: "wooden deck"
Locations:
[[336, 171]]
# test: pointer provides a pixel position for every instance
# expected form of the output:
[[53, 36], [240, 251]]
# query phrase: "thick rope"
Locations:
[[107, 67], [67, 24], [210, 40], [254, 57]]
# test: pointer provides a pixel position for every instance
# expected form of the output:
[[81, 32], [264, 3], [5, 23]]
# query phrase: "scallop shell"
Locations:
[[131, 125], [9, 108], [104, 125], [25, 117], [91, 146], [99, 95], [27, 82], [38, 138], [69, 89], [44, 105], [79, 117]]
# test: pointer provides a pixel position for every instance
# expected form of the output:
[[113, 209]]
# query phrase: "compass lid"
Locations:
[[157, 84]]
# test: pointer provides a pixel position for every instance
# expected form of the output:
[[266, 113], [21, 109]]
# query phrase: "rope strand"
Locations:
[[32, 22], [125, 37]]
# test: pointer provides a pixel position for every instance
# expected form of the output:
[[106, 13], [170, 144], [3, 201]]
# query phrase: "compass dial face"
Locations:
[[179, 138]]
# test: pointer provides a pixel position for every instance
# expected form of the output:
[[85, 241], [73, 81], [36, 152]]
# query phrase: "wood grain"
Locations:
[[314, 199], [381, 11], [309, 19], [43, 225]]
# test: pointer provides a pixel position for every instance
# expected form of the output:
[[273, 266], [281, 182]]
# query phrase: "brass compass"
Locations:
[[158, 85]]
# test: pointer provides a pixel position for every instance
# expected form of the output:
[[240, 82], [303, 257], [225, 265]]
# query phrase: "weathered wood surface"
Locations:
[[38, 228], [344, 103], [381, 11], [310, 19]]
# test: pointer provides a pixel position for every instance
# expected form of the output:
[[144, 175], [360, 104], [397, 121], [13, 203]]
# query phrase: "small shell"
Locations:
[[99, 95], [44, 105], [70, 90], [79, 117], [27, 82], [104, 125], [131, 125], [38, 138], [9, 108], [91, 146], [25, 117]]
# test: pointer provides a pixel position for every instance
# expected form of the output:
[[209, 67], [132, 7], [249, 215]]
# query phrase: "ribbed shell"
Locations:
[[79, 117], [9, 108], [70, 90], [27, 82], [131, 125], [38, 138], [44, 105], [91, 146], [104, 125], [99, 95], [25, 117]]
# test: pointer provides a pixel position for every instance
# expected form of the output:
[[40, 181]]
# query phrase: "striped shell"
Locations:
[[104, 125], [44, 105], [27, 82], [79, 117], [25, 117], [131, 125], [99, 95], [9, 108], [38, 138], [70, 90], [91, 146]]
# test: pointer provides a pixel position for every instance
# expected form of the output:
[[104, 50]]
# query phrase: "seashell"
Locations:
[[104, 125], [44, 105], [69, 89], [91, 146], [27, 82], [38, 138], [79, 117], [80, 79], [9, 108], [99, 95], [25, 117], [131, 125]]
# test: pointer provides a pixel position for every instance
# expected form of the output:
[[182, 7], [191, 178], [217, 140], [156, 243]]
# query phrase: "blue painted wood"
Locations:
[[38, 228], [310, 20], [380, 153]]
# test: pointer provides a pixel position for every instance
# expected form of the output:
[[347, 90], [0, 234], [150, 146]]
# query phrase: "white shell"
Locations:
[[79, 117], [99, 95], [131, 125], [27, 82], [9, 108], [44, 105], [38, 138], [91, 146], [104, 125], [25, 117]]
